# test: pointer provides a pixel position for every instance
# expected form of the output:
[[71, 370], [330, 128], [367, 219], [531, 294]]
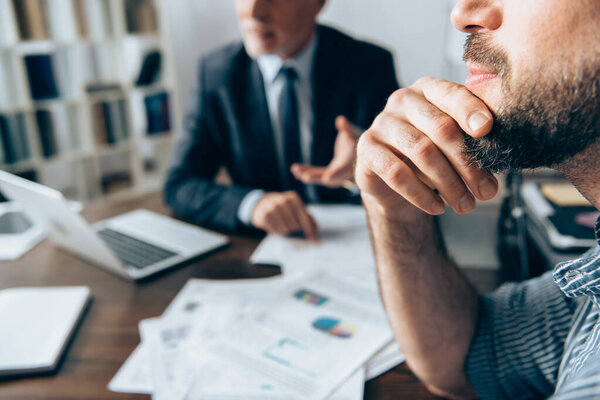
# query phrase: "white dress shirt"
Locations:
[[274, 82]]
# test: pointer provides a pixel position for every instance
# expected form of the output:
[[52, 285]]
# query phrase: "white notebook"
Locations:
[[36, 324]]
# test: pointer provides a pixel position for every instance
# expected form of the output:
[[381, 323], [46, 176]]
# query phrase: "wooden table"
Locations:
[[109, 330]]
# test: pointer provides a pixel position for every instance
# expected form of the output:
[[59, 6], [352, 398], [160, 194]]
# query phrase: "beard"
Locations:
[[544, 120]]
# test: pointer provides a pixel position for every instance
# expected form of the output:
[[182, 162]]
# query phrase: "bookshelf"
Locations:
[[86, 95]]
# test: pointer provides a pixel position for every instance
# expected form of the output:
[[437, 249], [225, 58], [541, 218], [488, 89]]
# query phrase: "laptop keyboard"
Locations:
[[133, 252]]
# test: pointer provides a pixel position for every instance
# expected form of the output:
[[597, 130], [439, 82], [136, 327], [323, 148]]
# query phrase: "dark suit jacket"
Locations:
[[228, 124]]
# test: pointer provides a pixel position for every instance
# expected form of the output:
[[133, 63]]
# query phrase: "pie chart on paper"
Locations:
[[334, 327]]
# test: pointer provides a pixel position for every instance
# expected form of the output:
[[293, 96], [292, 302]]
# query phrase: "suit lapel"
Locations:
[[327, 101], [255, 131]]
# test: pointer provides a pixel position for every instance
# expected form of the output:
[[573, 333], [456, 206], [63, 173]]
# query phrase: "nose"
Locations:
[[472, 16], [258, 9]]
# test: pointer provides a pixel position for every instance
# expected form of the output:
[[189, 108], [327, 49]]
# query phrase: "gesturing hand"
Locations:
[[341, 167], [415, 148]]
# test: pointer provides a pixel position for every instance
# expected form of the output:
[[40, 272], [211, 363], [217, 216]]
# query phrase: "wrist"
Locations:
[[408, 230], [394, 210]]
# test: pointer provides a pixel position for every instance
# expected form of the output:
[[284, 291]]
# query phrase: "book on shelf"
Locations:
[[9, 95], [32, 23], [98, 19], [46, 133], [61, 19], [40, 74], [110, 121], [140, 16], [8, 30], [63, 127], [151, 69], [79, 14], [157, 113], [67, 67], [99, 62], [13, 138]]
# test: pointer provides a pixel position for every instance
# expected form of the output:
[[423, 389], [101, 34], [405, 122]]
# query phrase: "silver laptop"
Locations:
[[132, 245]]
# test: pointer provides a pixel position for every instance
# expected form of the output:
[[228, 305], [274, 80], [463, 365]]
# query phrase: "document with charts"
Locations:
[[314, 334], [169, 361]]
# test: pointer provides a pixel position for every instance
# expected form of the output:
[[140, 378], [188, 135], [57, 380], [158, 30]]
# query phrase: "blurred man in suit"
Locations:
[[280, 112]]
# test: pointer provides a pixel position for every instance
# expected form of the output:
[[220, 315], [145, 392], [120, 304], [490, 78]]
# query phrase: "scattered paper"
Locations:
[[319, 331], [311, 320], [343, 246]]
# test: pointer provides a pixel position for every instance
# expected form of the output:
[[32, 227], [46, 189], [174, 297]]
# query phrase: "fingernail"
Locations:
[[488, 188], [478, 121], [438, 206], [467, 203]]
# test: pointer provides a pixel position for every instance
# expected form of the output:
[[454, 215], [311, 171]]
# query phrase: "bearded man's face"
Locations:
[[539, 72]]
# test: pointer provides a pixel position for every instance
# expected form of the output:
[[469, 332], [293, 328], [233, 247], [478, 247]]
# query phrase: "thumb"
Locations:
[[342, 124]]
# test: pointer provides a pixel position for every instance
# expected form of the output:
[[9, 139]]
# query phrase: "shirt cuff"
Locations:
[[247, 206]]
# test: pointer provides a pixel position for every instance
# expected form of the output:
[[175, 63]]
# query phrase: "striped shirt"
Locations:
[[541, 338]]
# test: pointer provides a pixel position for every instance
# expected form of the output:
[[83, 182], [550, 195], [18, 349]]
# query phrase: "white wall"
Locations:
[[417, 31]]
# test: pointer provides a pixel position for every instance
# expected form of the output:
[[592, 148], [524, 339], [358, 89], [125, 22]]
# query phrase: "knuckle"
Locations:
[[398, 98], [290, 197], [444, 126], [364, 143], [423, 82], [396, 173], [447, 88], [424, 149]]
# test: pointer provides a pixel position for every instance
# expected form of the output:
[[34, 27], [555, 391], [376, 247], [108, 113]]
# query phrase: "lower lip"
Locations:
[[475, 80], [262, 35]]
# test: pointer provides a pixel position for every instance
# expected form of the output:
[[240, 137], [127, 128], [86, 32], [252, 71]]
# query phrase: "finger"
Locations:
[[313, 228], [399, 177], [286, 214], [431, 162], [307, 223], [448, 136], [275, 220], [342, 124], [308, 174], [471, 113], [298, 169], [293, 206], [337, 172]]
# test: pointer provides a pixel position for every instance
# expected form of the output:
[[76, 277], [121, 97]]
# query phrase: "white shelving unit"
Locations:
[[87, 102]]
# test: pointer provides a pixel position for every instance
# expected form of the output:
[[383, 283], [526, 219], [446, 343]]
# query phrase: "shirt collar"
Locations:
[[270, 64], [581, 277]]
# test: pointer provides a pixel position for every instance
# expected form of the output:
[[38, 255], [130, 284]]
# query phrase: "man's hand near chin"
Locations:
[[340, 170], [410, 164]]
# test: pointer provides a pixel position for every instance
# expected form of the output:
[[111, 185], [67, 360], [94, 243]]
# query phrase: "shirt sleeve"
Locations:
[[519, 338], [247, 206]]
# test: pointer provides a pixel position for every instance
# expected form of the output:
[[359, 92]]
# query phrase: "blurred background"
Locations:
[[92, 91]]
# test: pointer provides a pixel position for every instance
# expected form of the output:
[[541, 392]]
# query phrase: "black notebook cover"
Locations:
[[47, 139], [150, 69], [41, 76]]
